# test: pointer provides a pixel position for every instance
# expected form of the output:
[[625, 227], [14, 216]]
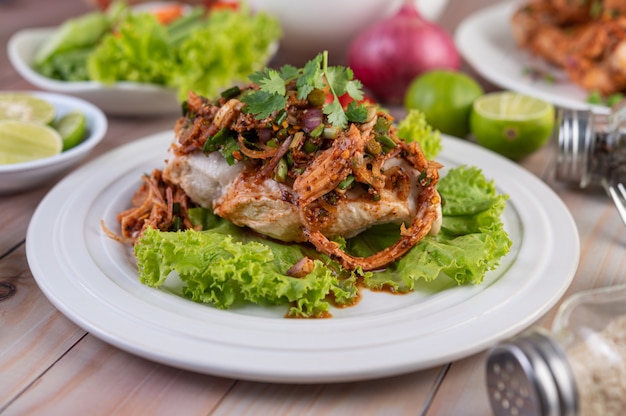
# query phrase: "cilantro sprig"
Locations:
[[316, 74]]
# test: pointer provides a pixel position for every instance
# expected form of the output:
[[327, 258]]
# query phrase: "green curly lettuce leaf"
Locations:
[[225, 266], [471, 242], [414, 128]]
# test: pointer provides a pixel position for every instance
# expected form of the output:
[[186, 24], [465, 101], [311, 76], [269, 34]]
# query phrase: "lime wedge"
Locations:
[[23, 141], [25, 107], [512, 124], [71, 127]]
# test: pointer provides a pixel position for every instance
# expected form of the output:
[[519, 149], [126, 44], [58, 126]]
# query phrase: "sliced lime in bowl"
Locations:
[[25, 107], [24, 141], [72, 128]]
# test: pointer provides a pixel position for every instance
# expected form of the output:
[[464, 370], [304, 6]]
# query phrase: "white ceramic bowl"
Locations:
[[23, 176], [121, 98], [312, 26]]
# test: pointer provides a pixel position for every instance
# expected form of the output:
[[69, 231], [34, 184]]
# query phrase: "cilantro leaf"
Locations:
[[257, 76], [262, 104], [289, 72], [335, 114], [357, 113], [311, 78], [338, 78], [316, 74], [273, 83], [354, 89]]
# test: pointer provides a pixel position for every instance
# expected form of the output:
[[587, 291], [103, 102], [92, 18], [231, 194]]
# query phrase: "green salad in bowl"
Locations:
[[143, 61]]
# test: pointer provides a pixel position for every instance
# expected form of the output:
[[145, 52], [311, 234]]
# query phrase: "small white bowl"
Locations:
[[312, 26], [23, 176], [121, 98]]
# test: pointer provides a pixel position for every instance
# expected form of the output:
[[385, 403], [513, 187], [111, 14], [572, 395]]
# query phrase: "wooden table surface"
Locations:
[[50, 366]]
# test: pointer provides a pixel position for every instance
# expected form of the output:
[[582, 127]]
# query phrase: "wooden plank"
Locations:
[[33, 334], [401, 395], [95, 378]]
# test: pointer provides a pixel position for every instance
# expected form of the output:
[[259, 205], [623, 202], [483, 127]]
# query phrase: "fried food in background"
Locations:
[[587, 39]]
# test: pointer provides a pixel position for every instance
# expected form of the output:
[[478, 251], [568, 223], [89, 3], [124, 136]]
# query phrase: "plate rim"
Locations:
[[260, 362]]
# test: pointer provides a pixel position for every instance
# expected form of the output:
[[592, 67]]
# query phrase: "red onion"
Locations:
[[313, 117], [264, 135], [393, 52]]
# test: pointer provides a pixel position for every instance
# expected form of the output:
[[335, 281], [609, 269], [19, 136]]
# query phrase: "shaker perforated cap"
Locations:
[[530, 376]]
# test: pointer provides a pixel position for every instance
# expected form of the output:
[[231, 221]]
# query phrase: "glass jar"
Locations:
[[592, 146], [577, 368]]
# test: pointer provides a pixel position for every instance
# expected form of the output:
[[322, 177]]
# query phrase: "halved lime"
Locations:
[[25, 107], [71, 127], [23, 141], [512, 124]]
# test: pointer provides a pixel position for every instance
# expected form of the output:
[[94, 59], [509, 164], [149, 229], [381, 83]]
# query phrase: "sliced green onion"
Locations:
[[317, 131], [371, 113], [309, 147], [176, 224], [345, 184], [227, 151], [282, 134], [214, 142], [331, 132], [382, 125], [373, 147], [386, 141], [281, 170], [297, 140], [281, 116], [231, 92]]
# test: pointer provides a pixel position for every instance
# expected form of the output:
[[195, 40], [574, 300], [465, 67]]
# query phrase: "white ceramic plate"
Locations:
[[93, 281], [485, 41]]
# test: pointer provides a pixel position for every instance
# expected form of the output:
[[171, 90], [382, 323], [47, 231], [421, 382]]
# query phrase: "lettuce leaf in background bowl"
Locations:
[[200, 51]]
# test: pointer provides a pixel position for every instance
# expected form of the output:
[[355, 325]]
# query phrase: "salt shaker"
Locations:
[[576, 368], [592, 146]]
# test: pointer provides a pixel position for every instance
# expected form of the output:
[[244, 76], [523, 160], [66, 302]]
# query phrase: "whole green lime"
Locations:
[[512, 124], [445, 97]]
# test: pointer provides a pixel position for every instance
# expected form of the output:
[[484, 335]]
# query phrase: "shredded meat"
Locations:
[[291, 178], [157, 204]]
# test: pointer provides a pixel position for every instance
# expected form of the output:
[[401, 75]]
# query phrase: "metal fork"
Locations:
[[619, 198]]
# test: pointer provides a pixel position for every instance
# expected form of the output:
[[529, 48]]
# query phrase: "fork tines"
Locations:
[[619, 198]]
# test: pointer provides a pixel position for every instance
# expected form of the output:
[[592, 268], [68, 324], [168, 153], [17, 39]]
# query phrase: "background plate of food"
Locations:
[[142, 61], [93, 280], [488, 40]]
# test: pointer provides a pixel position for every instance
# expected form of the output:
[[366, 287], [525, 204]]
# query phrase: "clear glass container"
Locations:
[[592, 146], [576, 368]]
